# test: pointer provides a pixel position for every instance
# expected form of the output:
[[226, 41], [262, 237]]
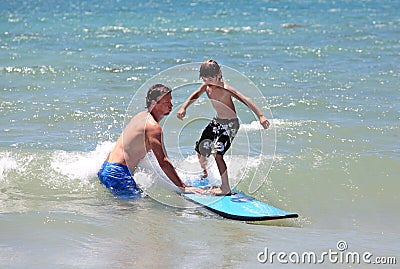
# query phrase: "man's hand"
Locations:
[[193, 190], [181, 113]]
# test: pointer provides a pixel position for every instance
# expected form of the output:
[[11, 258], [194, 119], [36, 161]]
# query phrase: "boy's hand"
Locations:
[[264, 122], [181, 113]]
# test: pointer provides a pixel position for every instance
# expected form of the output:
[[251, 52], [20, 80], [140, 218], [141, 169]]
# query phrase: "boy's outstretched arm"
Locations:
[[249, 103], [191, 99]]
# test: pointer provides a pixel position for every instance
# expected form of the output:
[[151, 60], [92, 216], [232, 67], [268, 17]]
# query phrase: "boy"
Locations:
[[218, 135]]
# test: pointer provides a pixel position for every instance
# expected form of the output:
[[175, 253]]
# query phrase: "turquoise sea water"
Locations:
[[71, 71]]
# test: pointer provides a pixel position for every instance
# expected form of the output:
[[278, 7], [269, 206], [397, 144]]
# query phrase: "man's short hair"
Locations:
[[155, 92]]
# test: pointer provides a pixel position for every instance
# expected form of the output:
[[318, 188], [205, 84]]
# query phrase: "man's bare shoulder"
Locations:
[[137, 117], [141, 115], [153, 126], [137, 121]]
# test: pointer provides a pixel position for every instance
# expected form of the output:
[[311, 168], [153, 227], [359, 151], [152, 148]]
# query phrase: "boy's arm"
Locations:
[[192, 98], [249, 103]]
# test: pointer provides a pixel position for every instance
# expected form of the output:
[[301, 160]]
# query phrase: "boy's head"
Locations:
[[209, 69]]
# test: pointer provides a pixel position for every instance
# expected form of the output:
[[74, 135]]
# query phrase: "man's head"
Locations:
[[210, 69], [155, 93]]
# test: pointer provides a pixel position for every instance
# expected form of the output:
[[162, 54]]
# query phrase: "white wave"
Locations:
[[255, 125], [13, 162], [76, 170], [80, 165], [275, 123], [153, 181], [7, 163], [149, 176], [239, 167]]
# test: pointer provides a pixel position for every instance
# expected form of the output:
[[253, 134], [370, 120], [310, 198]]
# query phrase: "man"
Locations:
[[142, 134], [218, 135]]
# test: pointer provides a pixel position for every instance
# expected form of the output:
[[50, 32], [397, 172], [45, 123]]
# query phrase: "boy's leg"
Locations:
[[203, 165], [203, 147], [225, 188]]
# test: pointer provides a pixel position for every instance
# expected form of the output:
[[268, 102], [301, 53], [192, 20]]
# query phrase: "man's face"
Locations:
[[165, 104]]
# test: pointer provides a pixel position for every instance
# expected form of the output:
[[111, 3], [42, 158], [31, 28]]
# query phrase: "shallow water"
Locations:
[[69, 73]]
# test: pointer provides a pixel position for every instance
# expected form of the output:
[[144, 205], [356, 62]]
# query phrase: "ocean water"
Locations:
[[326, 73]]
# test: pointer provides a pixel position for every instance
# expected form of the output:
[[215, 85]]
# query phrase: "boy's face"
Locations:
[[210, 80]]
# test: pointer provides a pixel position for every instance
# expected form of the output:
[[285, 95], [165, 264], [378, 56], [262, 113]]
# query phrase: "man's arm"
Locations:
[[154, 136], [192, 98]]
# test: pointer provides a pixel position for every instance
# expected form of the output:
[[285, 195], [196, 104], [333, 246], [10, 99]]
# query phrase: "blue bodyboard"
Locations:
[[239, 206]]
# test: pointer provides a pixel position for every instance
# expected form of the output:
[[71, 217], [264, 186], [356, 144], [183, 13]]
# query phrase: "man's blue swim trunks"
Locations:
[[118, 179]]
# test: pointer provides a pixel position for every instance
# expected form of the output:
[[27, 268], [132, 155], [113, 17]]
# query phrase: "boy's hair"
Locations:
[[155, 92], [209, 69]]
